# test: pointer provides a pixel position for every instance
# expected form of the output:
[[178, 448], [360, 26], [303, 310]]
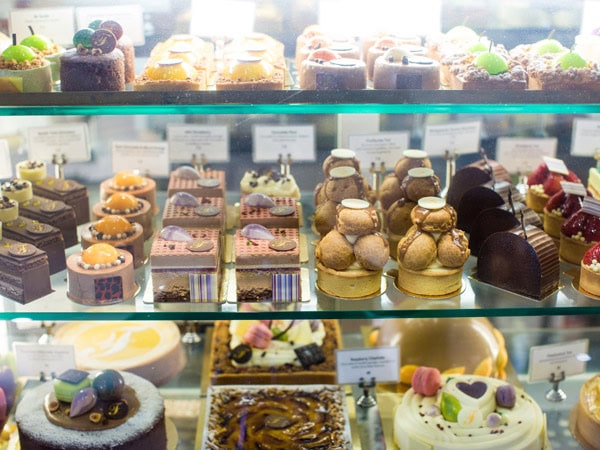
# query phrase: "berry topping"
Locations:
[[592, 256], [583, 226], [323, 55]]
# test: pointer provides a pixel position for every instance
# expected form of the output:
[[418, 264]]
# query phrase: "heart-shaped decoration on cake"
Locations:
[[475, 389]]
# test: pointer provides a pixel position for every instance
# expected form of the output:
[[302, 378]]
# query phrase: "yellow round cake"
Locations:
[[150, 349]]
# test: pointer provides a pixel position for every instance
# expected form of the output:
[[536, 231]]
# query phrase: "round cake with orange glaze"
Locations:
[[129, 207], [130, 182], [120, 233], [100, 275]]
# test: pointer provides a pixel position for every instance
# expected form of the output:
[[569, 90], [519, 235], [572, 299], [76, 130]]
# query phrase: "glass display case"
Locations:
[[333, 118]]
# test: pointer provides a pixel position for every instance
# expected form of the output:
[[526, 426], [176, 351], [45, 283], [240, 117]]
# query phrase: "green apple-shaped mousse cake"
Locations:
[[20, 61], [491, 62], [548, 46], [45, 47], [571, 60]]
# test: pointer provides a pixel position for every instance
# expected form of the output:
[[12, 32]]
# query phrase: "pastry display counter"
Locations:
[[563, 316]]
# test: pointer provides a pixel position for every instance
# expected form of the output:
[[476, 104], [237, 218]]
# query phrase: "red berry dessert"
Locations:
[[543, 184], [579, 233], [559, 208], [589, 278]]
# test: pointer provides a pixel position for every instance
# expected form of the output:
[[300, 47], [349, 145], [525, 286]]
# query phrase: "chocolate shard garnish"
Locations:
[[309, 355]]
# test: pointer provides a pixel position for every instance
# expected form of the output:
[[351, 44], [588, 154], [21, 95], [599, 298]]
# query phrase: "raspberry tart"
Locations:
[[580, 232], [589, 277]]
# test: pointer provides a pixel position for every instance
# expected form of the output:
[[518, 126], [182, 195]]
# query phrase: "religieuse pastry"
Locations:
[[467, 411], [350, 257], [433, 252], [274, 351], [80, 411]]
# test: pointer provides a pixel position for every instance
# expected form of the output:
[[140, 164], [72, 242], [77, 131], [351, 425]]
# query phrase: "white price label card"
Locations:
[[32, 360], [6, 169], [150, 158], [379, 148], [71, 140], [130, 17], [356, 365], [522, 155], [585, 140], [54, 23], [225, 18], [458, 138], [271, 141], [212, 141], [550, 360]]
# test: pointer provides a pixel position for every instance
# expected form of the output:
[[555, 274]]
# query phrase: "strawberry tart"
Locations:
[[561, 206], [545, 181], [589, 277], [580, 232]]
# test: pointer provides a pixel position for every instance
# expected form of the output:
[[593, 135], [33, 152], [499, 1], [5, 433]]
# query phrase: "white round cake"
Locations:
[[465, 413], [143, 430]]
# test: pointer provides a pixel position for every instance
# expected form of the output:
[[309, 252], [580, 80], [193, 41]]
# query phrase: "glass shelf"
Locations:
[[477, 299], [301, 102]]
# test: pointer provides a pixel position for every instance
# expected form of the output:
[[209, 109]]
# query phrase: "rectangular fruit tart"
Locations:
[[277, 351], [276, 417]]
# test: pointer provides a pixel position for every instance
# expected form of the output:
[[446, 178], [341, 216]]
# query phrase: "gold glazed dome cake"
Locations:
[[131, 182]]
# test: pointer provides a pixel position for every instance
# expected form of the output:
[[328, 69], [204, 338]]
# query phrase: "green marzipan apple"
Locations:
[[37, 41], [571, 60], [492, 63], [19, 53], [548, 46]]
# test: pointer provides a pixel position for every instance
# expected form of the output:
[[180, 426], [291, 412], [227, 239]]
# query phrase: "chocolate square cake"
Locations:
[[52, 212], [24, 271], [187, 271], [283, 214], [207, 183], [268, 269], [204, 212], [70, 192]]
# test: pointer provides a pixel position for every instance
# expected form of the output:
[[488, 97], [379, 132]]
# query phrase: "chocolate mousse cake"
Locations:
[[267, 264], [281, 212], [184, 210], [44, 422], [131, 208], [326, 70], [186, 265], [280, 352], [52, 212], [523, 260], [118, 232], [24, 271], [306, 416], [206, 183], [70, 192], [130, 182], [399, 69], [43, 236], [101, 275]]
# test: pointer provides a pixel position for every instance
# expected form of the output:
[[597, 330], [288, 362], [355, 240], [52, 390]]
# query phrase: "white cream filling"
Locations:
[[279, 352]]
